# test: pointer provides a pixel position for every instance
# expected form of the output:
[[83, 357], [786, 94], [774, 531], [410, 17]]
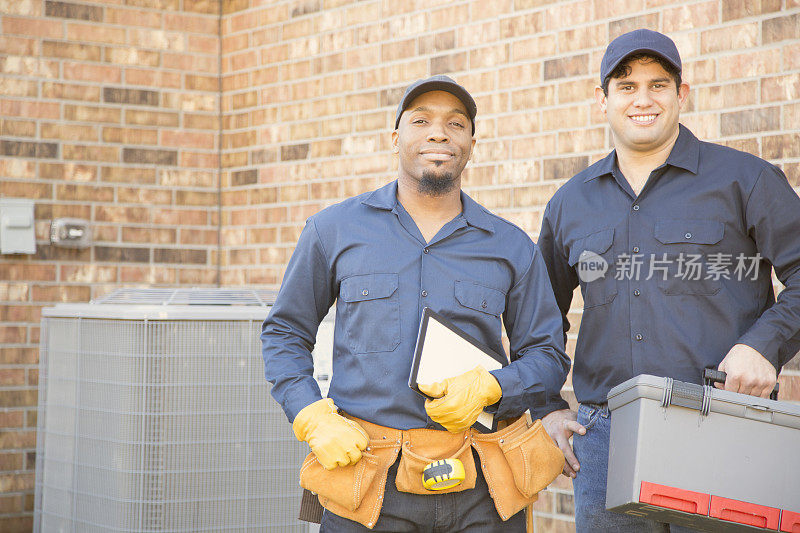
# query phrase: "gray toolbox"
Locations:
[[702, 457]]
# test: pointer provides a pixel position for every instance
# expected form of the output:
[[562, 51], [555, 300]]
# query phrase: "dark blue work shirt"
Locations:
[[705, 229], [368, 255]]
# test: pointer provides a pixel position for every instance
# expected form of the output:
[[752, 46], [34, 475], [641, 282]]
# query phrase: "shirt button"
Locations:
[[636, 292], [636, 249], [483, 304], [364, 292], [426, 250], [636, 207], [424, 293], [639, 337], [688, 235]]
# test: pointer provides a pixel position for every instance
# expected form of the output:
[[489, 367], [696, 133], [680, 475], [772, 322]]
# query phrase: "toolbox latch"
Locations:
[[746, 513], [683, 500], [684, 394]]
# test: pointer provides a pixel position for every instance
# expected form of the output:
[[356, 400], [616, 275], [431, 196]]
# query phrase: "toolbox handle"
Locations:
[[712, 375]]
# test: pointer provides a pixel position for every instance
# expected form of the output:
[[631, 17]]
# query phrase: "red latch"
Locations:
[[790, 521], [745, 513], [674, 498]]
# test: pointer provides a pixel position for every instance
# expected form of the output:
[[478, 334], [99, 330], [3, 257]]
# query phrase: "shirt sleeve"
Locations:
[[539, 363], [289, 332], [563, 278], [773, 222]]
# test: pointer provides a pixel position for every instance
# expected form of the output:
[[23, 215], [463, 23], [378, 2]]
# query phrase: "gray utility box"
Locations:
[[702, 457]]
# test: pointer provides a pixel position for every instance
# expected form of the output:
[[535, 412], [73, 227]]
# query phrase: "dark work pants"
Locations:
[[471, 511]]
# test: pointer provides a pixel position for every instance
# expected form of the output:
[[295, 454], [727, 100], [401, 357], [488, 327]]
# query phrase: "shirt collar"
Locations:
[[386, 198], [686, 151], [685, 154], [383, 198], [603, 167], [474, 214]]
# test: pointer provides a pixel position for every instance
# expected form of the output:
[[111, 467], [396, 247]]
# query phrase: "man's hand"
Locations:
[[748, 372], [459, 400], [560, 425], [334, 439]]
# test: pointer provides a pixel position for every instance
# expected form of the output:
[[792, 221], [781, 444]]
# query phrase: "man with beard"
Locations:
[[689, 231], [382, 257]]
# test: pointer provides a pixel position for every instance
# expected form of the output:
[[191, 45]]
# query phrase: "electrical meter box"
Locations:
[[17, 235]]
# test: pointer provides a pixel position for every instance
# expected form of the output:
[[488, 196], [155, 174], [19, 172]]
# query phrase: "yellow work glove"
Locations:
[[460, 399], [335, 440]]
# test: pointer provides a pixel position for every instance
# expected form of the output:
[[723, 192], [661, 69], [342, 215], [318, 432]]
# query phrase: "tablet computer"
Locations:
[[443, 351]]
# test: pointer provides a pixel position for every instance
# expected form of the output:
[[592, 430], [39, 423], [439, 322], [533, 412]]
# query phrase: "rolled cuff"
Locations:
[[767, 341], [554, 403], [299, 398], [515, 399]]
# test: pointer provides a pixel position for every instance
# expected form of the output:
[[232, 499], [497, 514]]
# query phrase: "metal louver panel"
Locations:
[[161, 425], [195, 296]]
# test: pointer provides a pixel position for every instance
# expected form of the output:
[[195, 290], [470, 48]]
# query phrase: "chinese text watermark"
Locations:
[[684, 266]]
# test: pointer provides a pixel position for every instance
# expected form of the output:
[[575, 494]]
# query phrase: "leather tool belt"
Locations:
[[517, 462]]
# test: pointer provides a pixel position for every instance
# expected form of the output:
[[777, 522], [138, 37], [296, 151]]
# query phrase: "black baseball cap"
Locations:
[[635, 42], [440, 82]]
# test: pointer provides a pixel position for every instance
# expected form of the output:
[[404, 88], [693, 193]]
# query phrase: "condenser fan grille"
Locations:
[[162, 424]]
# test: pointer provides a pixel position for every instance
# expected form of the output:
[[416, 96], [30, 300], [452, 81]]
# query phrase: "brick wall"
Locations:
[[197, 135], [109, 112]]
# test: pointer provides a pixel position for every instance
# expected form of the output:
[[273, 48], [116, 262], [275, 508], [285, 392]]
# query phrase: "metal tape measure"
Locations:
[[442, 474]]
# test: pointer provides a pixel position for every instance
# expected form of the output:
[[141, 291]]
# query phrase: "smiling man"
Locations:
[[382, 257], [672, 241]]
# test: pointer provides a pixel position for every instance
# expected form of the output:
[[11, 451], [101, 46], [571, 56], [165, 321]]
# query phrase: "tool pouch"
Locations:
[[535, 460], [422, 447], [344, 486], [355, 491], [517, 462]]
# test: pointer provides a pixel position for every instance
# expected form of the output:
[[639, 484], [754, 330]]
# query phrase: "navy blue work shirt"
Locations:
[[702, 233], [368, 255]]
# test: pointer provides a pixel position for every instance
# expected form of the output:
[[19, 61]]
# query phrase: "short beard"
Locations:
[[433, 184]]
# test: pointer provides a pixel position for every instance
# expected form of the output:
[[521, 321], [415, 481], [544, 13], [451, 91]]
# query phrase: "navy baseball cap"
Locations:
[[440, 82], [635, 42]]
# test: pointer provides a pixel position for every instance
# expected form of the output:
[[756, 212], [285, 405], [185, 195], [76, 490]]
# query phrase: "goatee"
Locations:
[[434, 184]]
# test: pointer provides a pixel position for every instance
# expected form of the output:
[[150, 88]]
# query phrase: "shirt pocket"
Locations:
[[684, 248], [370, 310], [480, 298], [592, 258]]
